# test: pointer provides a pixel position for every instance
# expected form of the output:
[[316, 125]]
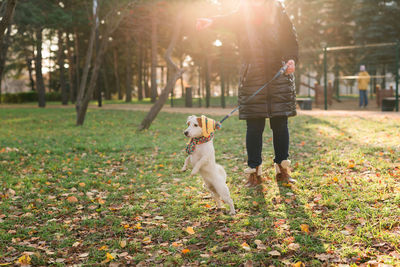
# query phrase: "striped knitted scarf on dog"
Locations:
[[191, 147]]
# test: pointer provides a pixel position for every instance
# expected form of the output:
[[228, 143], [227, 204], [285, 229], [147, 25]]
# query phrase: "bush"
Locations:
[[31, 96]]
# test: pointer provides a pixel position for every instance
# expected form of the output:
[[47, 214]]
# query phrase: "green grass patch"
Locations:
[[107, 192]]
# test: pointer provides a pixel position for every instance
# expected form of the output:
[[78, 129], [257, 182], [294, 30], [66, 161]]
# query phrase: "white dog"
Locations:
[[202, 157]]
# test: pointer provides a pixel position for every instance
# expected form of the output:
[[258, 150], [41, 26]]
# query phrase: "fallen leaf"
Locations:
[[293, 246], [123, 254], [190, 230], [83, 255], [146, 240], [175, 245], [245, 246], [82, 184], [24, 260], [248, 263], [122, 243], [323, 257], [298, 264], [274, 253], [72, 199], [109, 256], [186, 250], [260, 244], [103, 247], [305, 228]]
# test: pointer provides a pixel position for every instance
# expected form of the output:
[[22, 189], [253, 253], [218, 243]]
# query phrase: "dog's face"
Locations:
[[194, 128]]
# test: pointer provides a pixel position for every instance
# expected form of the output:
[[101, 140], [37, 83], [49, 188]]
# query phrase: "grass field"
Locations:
[[108, 193]]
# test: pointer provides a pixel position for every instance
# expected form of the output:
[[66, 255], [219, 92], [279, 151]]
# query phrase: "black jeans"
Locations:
[[254, 140]]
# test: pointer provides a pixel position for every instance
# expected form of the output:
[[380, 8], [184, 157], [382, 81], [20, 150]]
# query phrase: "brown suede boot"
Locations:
[[254, 177], [283, 172]]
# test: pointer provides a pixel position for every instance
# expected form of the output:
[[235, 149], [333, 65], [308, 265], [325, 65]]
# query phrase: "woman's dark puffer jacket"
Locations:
[[263, 48]]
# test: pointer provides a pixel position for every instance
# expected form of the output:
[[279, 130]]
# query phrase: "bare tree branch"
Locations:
[[177, 73], [8, 15]]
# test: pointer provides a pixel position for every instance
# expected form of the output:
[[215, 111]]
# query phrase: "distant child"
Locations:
[[363, 82]]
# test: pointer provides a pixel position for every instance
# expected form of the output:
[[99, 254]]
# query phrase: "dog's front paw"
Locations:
[[183, 169], [194, 172], [232, 212]]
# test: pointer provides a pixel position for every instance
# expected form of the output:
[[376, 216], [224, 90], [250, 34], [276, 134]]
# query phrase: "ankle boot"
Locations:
[[283, 172], [254, 176]]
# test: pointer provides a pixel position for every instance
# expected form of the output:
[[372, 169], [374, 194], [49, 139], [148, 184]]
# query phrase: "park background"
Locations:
[[111, 192]]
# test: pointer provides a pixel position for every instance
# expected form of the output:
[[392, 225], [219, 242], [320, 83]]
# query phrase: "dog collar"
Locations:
[[190, 148]]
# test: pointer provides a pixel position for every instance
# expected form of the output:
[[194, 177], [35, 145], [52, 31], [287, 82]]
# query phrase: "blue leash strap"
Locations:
[[277, 75]]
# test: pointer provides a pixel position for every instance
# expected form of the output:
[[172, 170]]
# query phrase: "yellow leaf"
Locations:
[[335, 179], [147, 240], [351, 166], [298, 264], [109, 257], [175, 245], [72, 199], [5, 264], [245, 246], [305, 228], [82, 184], [103, 247], [207, 206], [101, 201], [24, 259], [186, 250], [122, 243], [190, 230]]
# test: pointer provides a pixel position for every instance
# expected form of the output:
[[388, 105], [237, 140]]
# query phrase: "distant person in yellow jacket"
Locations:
[[363, 82]]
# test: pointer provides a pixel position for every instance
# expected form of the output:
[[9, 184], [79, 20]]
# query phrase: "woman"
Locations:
[[267, 40]]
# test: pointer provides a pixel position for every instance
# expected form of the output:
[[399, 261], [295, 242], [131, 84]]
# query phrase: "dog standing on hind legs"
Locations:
[[201, 155]]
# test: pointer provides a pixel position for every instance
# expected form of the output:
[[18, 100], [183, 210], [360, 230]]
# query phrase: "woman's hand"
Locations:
[[291, 67], [203, 23]]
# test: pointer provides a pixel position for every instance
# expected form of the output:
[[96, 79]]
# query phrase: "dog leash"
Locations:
[[277, 75]]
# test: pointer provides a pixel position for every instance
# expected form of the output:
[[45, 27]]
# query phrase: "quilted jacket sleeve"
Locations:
[[288, 38]]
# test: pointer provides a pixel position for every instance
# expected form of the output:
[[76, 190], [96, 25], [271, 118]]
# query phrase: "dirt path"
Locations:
[[221, 112]]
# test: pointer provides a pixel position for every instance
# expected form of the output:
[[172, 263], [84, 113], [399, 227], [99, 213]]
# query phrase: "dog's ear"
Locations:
[[199, 122]]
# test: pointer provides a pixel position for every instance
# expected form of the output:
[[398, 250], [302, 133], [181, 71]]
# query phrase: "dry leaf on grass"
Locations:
[[72, 199], [245, 246], [305, 228], [190, 230], [274, 253]]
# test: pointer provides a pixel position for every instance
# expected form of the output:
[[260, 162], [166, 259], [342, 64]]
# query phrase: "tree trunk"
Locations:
[[128, 97], [92, 83], [177, 72], [7, 17], [154, 44], [207, 79], [89, 53], [222, 77], [140, 71], [107, 90], [116, 75], [71, 68], [182, 85], [146, 82], [28, 61], [61, 57], [77, 65], [38, 70], [3, 54], [99, 96]]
